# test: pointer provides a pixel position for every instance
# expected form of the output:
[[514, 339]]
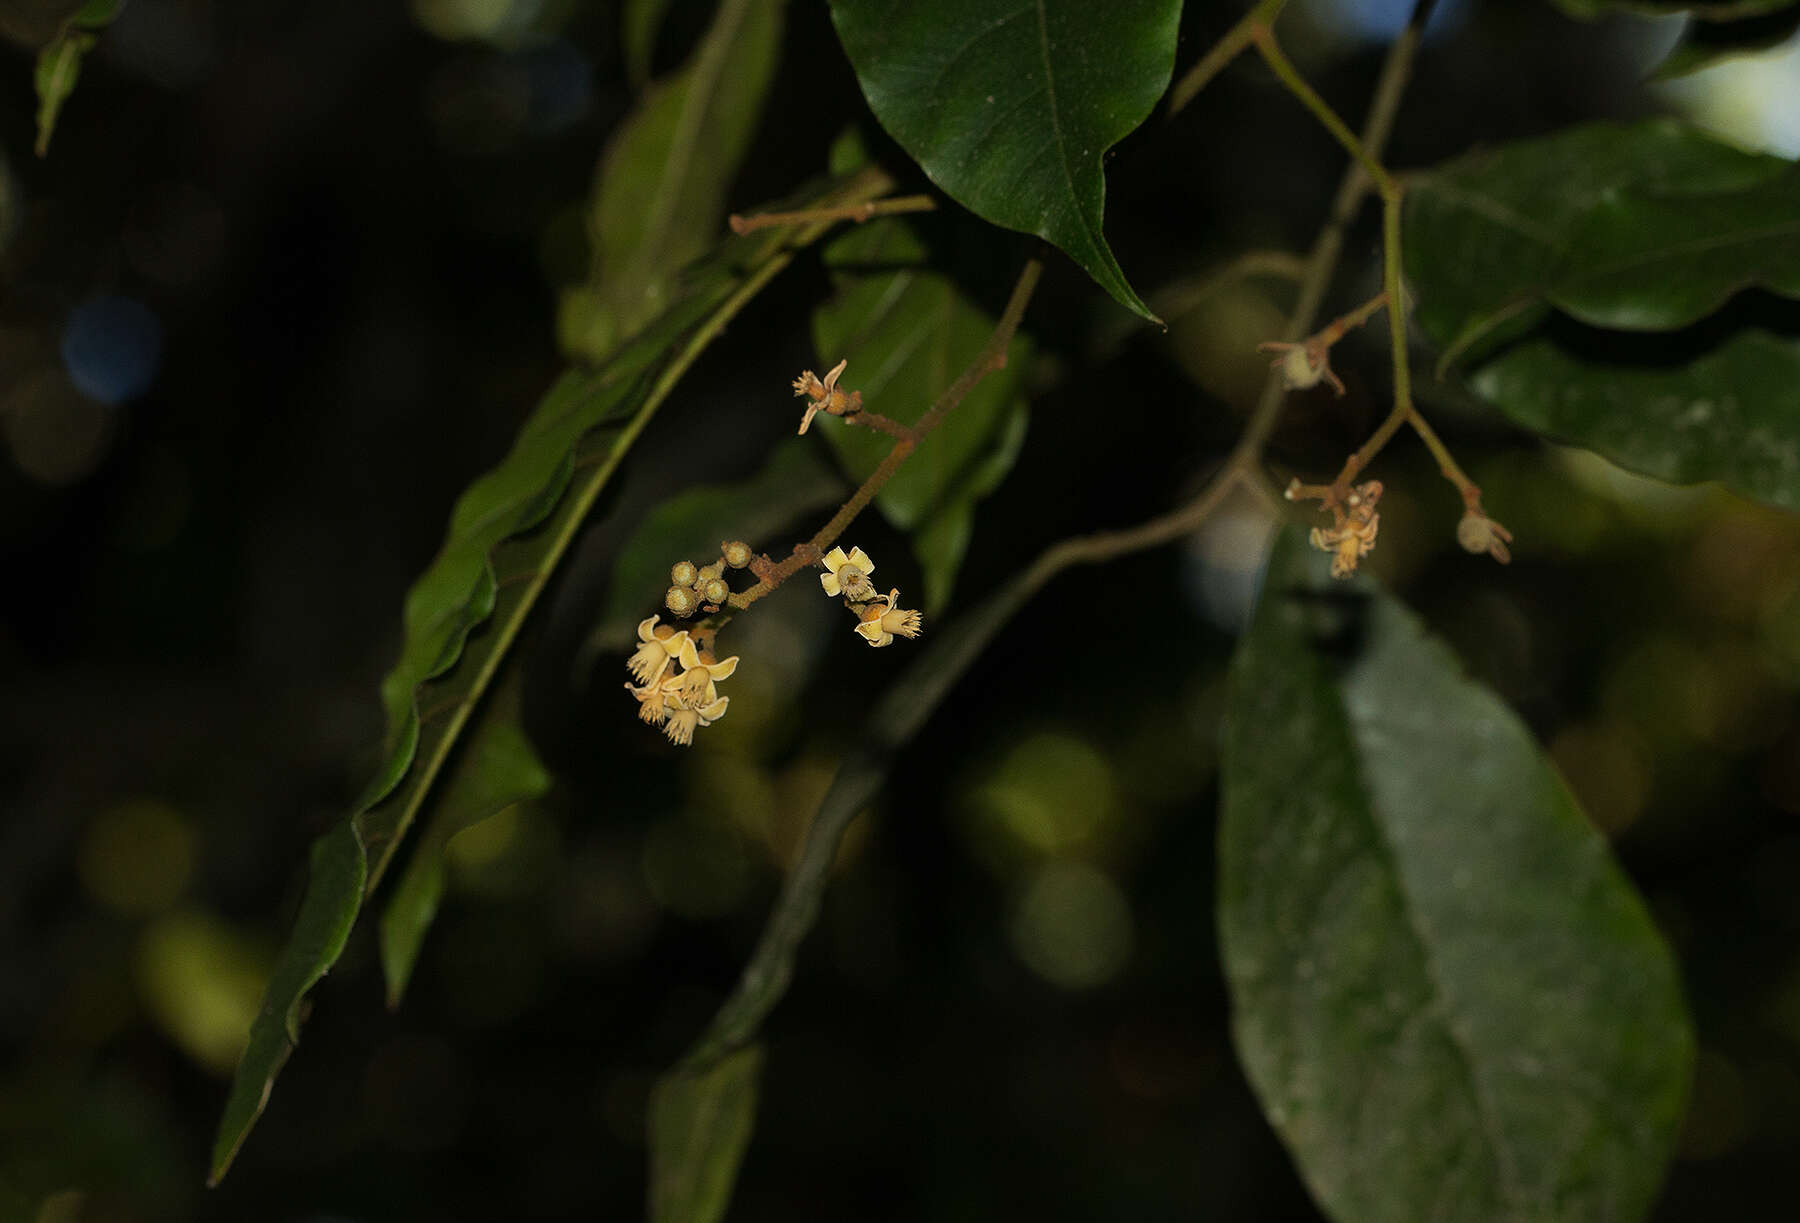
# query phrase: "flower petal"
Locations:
[[714, 711], [690, 657], [861, 560], [830, 583], [723, 670], [834, 559], [647, 629]]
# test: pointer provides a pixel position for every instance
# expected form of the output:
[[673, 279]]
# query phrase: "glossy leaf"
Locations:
[[659, 194], [327, 911], [694, 522], [1731, 414], [58, 68], [508, 532], [1010, 107], [1643, 227], [1706, 43], [700, 1123], [908, 331], [1447, 996], [497, 768]]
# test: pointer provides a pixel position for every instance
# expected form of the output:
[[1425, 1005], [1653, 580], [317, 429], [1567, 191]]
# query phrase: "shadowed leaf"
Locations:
[[1647, 228], [1010, 107], [1449, 999], [700, 1123], [1705, 43], [495, 769]]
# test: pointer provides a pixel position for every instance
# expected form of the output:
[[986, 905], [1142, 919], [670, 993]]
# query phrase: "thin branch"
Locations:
[[849, 212], [991, 357], [1264, 38], [1231, 44]]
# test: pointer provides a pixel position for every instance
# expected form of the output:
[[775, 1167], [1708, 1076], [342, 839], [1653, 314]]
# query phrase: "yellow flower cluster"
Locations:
[[879, 620], [680, 701]]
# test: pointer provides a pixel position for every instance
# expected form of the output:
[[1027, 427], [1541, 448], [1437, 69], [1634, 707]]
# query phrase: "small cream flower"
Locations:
[[659, 645], [694, 686], [684, 720], [849, 575], [825, 395], [650, 703], [881, 620]]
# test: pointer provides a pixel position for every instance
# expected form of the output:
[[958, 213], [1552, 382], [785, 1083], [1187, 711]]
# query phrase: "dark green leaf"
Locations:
[[1705, 43], [659, 195], [700, 1123], [641, 21], [495, 769], [334, 890], [1646, 227], [1447, 996], [507, 534], [58, 68], [907, 332], [1709, 10], [1731, 414], [1010, 107], [694, 522]]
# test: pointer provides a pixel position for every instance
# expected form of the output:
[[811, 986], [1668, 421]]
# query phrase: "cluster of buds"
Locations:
[[879, 618], [825, 396], [677, 680], [702, 588], [1355, 524]]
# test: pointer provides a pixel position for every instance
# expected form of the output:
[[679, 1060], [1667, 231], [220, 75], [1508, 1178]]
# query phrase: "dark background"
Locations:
[[287, 282]]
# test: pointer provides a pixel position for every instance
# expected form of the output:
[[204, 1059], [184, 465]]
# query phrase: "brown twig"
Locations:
[[850, 212]]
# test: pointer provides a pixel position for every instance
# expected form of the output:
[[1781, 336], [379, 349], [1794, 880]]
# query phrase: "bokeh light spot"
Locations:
[[137, 858], [1073, 926], [1050, 793], [57, 435], [112, 347], [202, 981]]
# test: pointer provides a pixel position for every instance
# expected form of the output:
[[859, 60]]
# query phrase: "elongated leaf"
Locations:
[[1731, 414], [1010, 107], [1645, 227], [1448, 998], [700, 1123], [694, 522], [508, 532], [497, 768], [907, 332], [659, 195], [1705, 43], [58, 68], [328, 910]]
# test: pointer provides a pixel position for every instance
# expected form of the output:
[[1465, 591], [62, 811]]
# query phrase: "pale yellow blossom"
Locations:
[[658, 644], [683, 720], [882, 620], [848, 575]]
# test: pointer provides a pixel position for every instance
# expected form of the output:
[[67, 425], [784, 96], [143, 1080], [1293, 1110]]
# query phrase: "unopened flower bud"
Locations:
[[709, 572], [683, 573], [714, 590], [681, 601], [1479, 533], [737, 553]]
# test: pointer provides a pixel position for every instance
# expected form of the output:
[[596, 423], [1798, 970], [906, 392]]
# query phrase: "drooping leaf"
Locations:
[[496, 768], [700, 1123], [907, 332], [334, 891], [507, 534], [59, 62], [659, 194], [1010, 107], [1448, 998], [1731, 414], [691, 525], [1705, 43], [1642, 227]]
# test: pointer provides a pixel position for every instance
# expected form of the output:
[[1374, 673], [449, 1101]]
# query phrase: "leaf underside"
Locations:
[[1010, 107], [1449, 1000], [700, 1123]]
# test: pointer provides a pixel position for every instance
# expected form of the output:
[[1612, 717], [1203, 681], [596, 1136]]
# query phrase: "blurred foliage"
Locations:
[[348, 227]]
